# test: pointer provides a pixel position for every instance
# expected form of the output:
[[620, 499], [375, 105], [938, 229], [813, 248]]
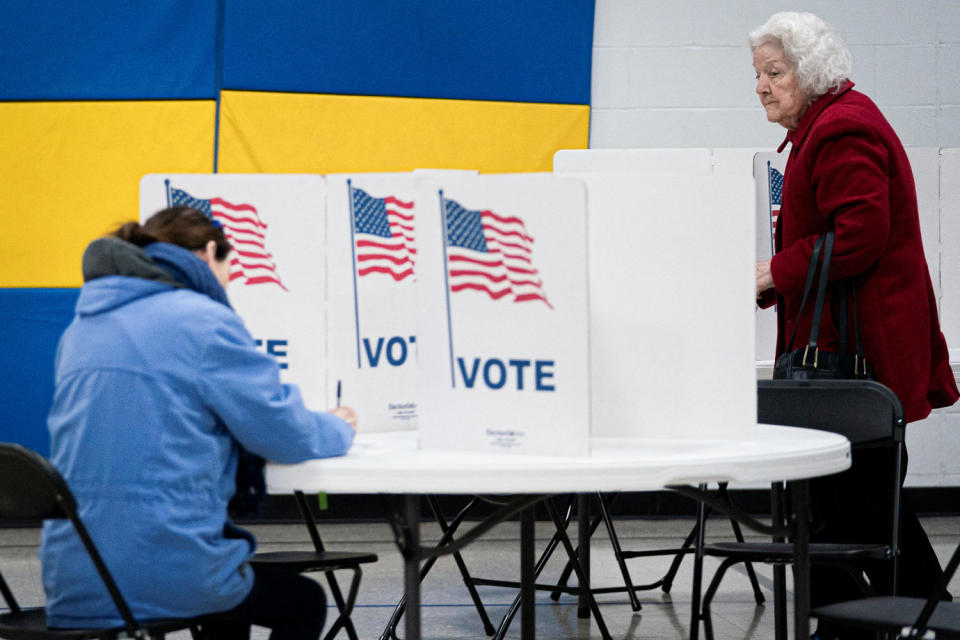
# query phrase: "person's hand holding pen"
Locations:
[[347, 414]]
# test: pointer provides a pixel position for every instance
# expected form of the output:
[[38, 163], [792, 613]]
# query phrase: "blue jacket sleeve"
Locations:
[[242, 386]]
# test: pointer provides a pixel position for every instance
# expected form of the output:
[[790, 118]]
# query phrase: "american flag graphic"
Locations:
[[384, 234], [245, 231], [776, 196], [492, 254]]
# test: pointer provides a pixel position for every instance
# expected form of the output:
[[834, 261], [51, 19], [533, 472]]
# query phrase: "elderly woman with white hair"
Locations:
[[848, 172]]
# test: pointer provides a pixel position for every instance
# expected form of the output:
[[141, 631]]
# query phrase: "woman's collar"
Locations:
[[815, 109]]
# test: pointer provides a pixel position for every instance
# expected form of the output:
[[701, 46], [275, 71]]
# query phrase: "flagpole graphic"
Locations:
[[353, 257], [491, 254], [446, 286]]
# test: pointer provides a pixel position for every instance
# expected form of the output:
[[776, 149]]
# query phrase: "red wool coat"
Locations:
[[848, 171]]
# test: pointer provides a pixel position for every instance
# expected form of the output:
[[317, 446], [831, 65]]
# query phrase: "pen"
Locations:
[[338, 392]]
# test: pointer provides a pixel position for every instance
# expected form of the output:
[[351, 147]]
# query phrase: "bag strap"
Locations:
[[848, 289], [821, 292], [861, 361], [842, 289], [811, 272]]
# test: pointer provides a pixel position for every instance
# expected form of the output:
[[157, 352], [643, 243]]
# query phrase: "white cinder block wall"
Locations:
[[679, 74]]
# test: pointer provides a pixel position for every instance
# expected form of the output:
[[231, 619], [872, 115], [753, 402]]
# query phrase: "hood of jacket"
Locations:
[[117, 272]]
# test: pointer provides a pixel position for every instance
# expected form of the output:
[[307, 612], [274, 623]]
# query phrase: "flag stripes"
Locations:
[[241, 223], [492, 254], [384, 235], [776, 197]]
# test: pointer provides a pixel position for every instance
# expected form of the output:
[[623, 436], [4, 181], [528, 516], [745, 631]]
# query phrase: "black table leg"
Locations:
[[411, 565], [527, 590], [698, 568], [583, 553], [779, 571], [801, 559]]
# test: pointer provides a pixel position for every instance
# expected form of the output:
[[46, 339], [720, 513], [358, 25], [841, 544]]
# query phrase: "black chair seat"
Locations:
[[31, 624], [783, 551], [892, 613], [302, 561]]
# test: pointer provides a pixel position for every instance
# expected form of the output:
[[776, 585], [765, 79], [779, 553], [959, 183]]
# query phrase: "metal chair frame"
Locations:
[[327, 562], [559, 537], [935, 616], [867, 413], [31, 489]]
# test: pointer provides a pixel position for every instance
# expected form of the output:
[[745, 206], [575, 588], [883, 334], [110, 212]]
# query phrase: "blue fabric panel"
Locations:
[[467, 49], [108, 49], [32, 321]]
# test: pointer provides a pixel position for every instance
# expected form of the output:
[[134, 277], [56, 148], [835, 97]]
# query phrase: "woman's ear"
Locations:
[[211, 251]]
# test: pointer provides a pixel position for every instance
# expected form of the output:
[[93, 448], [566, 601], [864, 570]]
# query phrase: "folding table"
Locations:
[[391, 463]]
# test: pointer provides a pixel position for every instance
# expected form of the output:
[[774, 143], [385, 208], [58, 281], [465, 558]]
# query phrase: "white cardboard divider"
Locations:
[[950, 250], [502, 337], [276, 224], [371, 314], [697, 161], [671, 304], [768, 169], [680, 161], [736, 161]]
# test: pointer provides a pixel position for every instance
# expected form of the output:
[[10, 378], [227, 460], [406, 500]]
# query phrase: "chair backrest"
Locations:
[[862, 410], [30, 487]]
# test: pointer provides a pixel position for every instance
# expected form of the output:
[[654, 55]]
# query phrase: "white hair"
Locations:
[[819, 55]]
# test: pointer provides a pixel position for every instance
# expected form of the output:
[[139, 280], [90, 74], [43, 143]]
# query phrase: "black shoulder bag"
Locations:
[[811, 362]]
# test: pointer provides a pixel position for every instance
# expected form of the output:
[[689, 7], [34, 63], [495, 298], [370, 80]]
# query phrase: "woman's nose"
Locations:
[[762, 86]]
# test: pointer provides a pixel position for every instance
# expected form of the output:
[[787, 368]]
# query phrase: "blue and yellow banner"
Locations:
[[96, 93]]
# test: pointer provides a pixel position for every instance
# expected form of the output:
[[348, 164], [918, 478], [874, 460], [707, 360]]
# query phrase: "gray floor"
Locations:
[[448, 612]]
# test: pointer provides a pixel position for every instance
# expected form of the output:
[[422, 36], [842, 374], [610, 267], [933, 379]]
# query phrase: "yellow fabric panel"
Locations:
[[287, 132], [70, 171]]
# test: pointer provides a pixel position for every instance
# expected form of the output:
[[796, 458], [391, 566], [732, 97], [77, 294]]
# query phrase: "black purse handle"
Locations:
[[826, 241], [859, 361], [821, 292], [811, 272]]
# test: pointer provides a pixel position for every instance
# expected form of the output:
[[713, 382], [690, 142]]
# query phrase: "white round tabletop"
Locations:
[[392, 463]]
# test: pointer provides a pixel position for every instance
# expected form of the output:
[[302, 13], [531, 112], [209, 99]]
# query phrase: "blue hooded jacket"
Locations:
[[156, 383]]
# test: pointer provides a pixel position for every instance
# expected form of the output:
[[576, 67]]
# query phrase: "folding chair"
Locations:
[[907, 617], [868, 414], [665, 583], [325, 561], [559, 538], [448, 529], [31, 489]]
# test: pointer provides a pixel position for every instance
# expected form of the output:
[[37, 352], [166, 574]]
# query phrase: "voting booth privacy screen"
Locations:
[[275, 224], [768, 168], [371, 303], [671, 305], [502, 314], [508, 314]]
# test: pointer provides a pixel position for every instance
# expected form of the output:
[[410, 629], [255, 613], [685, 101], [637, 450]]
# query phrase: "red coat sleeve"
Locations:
[[849, 178], [767, 299]]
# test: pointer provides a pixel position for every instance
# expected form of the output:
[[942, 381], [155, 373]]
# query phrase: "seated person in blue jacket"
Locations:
[[158, 385]]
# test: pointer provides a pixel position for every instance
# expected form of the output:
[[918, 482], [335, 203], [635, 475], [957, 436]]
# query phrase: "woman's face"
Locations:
[[778, 86], [221, 269]]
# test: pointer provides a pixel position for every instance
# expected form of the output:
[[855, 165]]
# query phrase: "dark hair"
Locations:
[[182, 226]]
